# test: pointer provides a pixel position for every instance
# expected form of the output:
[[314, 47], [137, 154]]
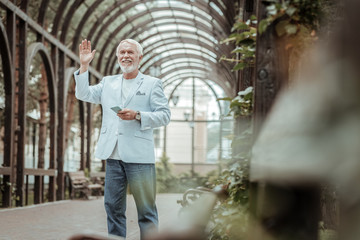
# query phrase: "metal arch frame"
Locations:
[[96, 29], [78, 2], [68, 18], [185, 40], [82, 112], [76, 37], [228, 76], [40, 48], [206, 72], [119, 28], [97, 26], [228, 91], [41, 15], [203, 6], [9, 86], [202, 25], [82, 120], [214, 14], [227, 68], [188, 41], [63, 4], [179, 31], [184, 61], [97, 23], [195, 68], [58, 16], [207, 58], [117, 4], [193, 91], [223, 48], [203, 80], [50, 38], [205, 28], [26, 21], [229, 14], [67, 77]]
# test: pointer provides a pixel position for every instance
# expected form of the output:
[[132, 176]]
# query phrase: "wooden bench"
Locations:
[[80, 184], [98, 177]]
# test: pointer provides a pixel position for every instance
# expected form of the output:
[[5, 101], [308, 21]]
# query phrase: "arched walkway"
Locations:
[[63, 219], [176, 35]]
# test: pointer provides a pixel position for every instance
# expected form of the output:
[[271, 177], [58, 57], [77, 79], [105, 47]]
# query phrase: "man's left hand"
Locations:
[[127, 114]]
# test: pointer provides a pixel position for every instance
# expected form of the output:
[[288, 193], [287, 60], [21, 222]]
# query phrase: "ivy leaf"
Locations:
[[238, 50], [291, 29], [239, 26], [281, 27], [247, 41], [225, 99], [271, 9], [290, 11], [240, 66], [263, 25], [227, 40]]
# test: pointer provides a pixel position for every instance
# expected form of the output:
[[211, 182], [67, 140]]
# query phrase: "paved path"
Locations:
[[60, 220]]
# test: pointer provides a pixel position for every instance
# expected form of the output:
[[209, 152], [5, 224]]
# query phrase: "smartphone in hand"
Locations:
[[116, 109]]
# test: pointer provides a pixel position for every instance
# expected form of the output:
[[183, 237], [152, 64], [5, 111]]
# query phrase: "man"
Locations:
[[126, 138]]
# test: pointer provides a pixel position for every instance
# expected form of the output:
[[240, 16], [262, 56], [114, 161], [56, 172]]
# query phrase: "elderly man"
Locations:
[[133, 104]]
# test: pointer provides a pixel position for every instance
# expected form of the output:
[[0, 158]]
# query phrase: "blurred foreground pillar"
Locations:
[[282, 211]]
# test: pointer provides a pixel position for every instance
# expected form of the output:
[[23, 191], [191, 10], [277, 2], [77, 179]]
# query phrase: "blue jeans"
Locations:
[[142, 181]]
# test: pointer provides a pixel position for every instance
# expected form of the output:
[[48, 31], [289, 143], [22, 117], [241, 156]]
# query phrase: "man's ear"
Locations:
[[140, 58]]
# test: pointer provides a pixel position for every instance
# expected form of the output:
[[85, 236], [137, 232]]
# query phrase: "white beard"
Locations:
[[127, 69]]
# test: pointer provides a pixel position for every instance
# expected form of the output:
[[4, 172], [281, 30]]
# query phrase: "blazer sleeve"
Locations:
[[85, 92], [160, 112]]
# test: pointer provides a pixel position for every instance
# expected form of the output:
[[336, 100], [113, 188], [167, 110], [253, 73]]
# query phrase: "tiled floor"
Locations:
[[60, 220]]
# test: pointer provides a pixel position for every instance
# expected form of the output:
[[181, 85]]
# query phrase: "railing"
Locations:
[[39, 189], [39, 184]]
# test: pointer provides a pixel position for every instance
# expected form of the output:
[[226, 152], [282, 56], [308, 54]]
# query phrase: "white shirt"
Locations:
[[127, 84]]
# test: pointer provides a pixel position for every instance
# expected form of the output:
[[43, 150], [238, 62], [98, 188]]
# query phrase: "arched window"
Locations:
[[197, 138]]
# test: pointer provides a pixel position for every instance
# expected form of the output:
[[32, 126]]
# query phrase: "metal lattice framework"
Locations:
[[180, 37]]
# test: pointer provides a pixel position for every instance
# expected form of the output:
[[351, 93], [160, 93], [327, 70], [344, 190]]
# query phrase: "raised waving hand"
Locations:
[[85, 54]]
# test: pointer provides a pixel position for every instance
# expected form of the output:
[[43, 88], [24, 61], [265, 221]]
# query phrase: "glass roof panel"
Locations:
[[184, 65], [189, 30], [201, 12], [194, 60], [182, 76], [168, 54], [202, 73], [216, 8], [219, 91]]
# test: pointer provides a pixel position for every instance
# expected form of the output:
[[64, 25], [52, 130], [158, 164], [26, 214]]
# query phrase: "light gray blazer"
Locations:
[[134, 138]]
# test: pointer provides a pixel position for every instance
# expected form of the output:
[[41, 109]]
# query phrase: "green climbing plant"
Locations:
[[231, 217], [244, 37], [292, 16], [297, 21]]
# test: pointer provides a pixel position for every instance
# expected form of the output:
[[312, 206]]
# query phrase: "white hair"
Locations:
[[138, 46]]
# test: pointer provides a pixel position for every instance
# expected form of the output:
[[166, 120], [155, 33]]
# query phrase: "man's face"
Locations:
[[128, 57]]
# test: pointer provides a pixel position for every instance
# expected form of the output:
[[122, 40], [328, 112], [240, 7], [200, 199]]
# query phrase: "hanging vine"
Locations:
[[297, 21]]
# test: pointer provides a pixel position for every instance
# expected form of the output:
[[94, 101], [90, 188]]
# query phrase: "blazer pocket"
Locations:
[[144, 134]]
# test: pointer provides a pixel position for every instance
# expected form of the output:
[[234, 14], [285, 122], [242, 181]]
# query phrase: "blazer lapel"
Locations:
[[139, 81], [117, 85]]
